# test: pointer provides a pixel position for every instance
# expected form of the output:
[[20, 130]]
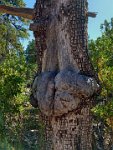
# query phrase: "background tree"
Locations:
[[17, 69], [30, 54], [14, 94], [12, 30], [101, 51]]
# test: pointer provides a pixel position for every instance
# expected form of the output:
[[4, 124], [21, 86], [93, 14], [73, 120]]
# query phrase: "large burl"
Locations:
[[59, 93]]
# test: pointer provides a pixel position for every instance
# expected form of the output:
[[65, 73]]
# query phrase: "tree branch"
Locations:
[[27, 13], [92, 14]]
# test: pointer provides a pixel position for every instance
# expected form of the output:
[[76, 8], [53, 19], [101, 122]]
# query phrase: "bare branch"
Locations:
[[92, 14], [27, 13]]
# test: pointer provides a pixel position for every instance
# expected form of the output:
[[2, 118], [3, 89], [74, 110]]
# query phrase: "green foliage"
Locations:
[[101, 51], [30, 54], [12, 30], [12, 95], [17, 68], [14, 75], [17, 3]]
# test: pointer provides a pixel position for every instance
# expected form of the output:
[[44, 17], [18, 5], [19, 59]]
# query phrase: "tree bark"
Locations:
[[66, 81]]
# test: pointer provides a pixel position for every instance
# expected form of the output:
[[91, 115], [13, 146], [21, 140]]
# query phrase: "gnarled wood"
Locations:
[[60, 93], [66, 82], [27, 13]]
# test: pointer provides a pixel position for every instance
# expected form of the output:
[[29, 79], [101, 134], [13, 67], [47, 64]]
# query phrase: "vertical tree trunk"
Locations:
[[65, 83], [73, 131]]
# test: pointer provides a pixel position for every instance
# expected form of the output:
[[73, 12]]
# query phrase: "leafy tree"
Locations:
[[12, 30], [30, 54], [101, 51], [16, 67], [12, 71]]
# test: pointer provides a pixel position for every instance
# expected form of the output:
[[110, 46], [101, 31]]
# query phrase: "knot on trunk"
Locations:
[[58, 93]]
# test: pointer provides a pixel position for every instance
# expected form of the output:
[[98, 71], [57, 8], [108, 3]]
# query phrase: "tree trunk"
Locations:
[[66, 81]]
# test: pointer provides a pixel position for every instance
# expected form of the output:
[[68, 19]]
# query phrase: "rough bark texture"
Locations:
[[73, 131], [66, 81]]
